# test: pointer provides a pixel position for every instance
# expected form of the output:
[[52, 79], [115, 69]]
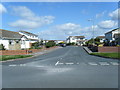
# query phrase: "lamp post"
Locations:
[[92, 29]]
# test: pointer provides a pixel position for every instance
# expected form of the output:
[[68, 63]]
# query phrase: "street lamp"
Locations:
[[92, 29]]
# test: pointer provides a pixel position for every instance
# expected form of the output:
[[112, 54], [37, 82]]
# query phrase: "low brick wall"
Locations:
[[23, 52], [13, 52], [109, 49]]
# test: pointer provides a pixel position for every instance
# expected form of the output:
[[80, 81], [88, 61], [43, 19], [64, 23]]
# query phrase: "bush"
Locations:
[[71, 43], [50, 44], [2, 47], [35, 45]]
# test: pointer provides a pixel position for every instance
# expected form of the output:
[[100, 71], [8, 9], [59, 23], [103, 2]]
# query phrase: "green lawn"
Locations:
[[110, 55], [8, 57]]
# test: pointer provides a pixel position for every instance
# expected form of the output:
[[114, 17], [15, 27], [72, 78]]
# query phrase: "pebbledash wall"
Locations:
[[109, 49], [23, 52]]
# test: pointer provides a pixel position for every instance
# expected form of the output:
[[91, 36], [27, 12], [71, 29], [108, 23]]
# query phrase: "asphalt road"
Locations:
[[68, 67]]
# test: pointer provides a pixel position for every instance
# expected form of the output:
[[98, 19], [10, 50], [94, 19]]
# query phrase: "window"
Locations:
[[22, 42], [11, 42], [73, 38], [17, 41]]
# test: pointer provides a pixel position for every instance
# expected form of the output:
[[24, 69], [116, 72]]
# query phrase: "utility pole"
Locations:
[[92, 29]]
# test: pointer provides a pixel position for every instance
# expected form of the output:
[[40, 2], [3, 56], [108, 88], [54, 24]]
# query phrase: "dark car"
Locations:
[[63, 44]]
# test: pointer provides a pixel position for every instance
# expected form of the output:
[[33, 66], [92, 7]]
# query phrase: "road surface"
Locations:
[[68, 67]]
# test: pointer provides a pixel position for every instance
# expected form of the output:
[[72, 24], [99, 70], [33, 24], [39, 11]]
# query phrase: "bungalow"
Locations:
[[113, 37], [79, 40], [11, 40], [17, 40]]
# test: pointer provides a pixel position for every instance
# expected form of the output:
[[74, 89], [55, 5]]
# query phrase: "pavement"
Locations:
[[68, 67], [45, 51], [87, 50]]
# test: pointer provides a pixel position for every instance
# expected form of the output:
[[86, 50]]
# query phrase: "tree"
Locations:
[[97, 39]]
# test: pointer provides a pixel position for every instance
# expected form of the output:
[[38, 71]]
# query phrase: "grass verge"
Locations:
[[8, 57], [109, 55]]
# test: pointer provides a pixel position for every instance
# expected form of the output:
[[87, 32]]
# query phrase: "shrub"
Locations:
[[50, 44], [2, 47], [35, 45], [71, 43]]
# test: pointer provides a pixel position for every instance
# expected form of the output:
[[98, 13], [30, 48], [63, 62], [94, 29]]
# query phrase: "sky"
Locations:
[[58, 20]]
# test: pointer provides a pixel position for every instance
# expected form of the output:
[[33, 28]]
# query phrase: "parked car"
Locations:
[[63, 44]]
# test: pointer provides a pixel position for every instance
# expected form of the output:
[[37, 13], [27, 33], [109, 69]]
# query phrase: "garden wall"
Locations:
[[109, 49], [22, 52]]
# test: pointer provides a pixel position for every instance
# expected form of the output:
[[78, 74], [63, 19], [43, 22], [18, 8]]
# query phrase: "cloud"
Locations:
[[60, 31], [100, 14], [29, 20], [115, 15], [107, 24], [2, 9], [24, 24], [69, 29], [68, 26]]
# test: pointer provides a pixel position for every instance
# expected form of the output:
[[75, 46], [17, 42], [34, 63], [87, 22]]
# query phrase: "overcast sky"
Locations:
[[57, 20]]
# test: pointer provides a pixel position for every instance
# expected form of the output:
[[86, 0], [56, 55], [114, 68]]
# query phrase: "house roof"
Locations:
[[25, 32], [5, 34], [78, 36], [100, 36], [112, 30]]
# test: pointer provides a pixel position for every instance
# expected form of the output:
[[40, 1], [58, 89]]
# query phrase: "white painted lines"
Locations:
[[74, 63], [22, 64], [88, 63], [61, 63], [39, 66], [114, 63], [57, 63], [12, 65], [92, 63], [69, 63], [104, 63]]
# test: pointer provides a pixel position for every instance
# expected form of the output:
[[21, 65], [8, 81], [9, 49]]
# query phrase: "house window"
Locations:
[[17, 41], [73, 39], [11, 42], [22, 42]]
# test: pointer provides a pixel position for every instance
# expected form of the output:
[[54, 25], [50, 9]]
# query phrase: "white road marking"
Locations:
[[60, 63], [13, 65], [114, 63], [39, 66], [92, 63], [104, 63], [57, 63], [69, 63], [77, 63], [22, 64]]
